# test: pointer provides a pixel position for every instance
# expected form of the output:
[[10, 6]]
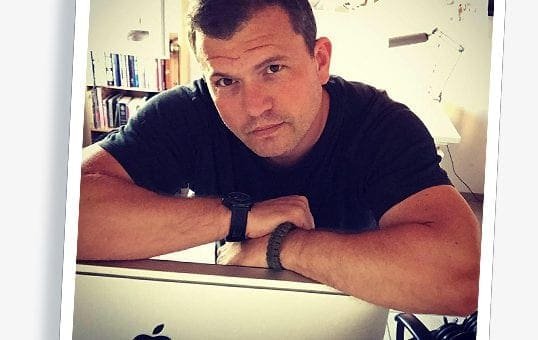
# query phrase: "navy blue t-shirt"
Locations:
[[373, 153]]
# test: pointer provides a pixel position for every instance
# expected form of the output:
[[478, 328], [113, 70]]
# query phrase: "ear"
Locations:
[[322, 54]]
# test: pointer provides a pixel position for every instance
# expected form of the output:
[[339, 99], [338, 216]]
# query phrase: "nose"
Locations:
[[256, 99]]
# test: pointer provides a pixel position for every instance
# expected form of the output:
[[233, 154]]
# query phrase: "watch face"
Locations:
[[238, 199]]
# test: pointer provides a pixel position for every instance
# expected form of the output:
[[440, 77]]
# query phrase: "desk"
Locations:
[[125, 299], [438, 124]]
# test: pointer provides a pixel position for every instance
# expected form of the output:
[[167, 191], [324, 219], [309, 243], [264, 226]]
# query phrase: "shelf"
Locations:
[[124, 88], [152, 64]]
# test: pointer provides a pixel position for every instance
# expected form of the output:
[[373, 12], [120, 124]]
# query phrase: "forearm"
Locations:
[[410, 267], [119, 220]]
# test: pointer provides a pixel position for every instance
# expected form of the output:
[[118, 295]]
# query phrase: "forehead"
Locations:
[[269, 30]]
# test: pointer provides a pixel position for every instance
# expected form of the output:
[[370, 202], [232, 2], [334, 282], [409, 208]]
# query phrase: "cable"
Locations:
[[462, 181]]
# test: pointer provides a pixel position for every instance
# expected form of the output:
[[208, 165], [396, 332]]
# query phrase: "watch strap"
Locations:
[[275, 243], [238, 224]]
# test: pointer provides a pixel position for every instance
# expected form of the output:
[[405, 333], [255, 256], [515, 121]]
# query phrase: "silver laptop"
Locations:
[[160, 300]]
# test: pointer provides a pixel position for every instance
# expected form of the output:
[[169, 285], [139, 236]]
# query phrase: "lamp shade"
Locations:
[[408, 39]]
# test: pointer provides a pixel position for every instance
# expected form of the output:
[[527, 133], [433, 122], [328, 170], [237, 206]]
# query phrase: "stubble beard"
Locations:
[[283, 144]]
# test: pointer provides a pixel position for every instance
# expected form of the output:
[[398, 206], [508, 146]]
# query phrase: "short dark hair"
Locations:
[[221, 19]]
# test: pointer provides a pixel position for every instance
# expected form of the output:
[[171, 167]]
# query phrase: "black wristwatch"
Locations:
[[239, 203]]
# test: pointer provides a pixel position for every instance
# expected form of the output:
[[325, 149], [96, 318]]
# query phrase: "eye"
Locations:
[[274, 68], [223, 82]]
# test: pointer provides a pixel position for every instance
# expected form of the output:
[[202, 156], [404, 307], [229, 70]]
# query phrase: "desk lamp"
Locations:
[[417, 38]]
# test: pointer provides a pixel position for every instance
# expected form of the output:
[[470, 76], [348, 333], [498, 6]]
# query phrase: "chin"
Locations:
[[276, 146], [280, 157], [268, 151]]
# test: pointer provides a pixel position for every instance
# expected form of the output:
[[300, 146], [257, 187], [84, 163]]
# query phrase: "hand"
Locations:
[[250, 253], [265, 216]]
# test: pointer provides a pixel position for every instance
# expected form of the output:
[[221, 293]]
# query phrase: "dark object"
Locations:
[[273, 246], [408, 39], [490, 8], [137, 35], [448, 331], [239, 203]]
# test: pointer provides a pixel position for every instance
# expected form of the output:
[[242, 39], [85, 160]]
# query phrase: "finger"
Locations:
[[300, 214], [304, 220]]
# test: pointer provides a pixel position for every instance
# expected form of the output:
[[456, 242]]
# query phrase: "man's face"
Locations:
[[267, 87]]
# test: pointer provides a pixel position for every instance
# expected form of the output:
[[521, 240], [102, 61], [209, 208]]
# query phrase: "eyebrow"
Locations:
[[269, 61], [258, 66], [220, 75]]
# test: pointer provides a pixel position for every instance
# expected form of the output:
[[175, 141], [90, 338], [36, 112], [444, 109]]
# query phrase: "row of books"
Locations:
[[113, 110], [129, 71]]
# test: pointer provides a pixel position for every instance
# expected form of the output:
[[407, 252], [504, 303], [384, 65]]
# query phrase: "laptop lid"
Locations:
[[156, 299]]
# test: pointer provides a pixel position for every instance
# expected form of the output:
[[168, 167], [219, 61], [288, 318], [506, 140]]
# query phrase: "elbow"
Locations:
[[463, 295], [87, 246], [464, 278], [465, 303]]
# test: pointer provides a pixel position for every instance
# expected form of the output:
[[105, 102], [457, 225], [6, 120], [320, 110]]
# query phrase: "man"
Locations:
[[356, 173]]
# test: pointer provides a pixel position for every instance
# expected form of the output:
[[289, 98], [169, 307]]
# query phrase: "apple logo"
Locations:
[[156, 331]]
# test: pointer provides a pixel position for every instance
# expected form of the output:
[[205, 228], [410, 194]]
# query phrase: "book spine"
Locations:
[[113, 115], [136, 72], [141, 71], [122, 114], [110, 111], [116, 69], [95, 110], [99, 92], [123, 71], [108, 69], [131, 70], [104, 114]]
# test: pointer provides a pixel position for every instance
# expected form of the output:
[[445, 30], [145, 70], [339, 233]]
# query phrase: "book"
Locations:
[[108, 69], [106, 108], [133, 76], [116, 70], [152, 74], [97, 74], [112, 114], [122, 110], [140, 72], [95, 110], [123, 71], [88, 117], [99, 107]]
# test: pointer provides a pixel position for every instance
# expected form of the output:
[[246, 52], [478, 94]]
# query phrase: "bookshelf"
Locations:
[[136, 49]]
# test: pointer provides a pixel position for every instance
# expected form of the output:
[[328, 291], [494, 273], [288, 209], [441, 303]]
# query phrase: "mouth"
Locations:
[[266, 130]]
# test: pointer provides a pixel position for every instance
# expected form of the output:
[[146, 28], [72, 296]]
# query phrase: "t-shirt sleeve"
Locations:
[[405, 161], [155, 146]]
